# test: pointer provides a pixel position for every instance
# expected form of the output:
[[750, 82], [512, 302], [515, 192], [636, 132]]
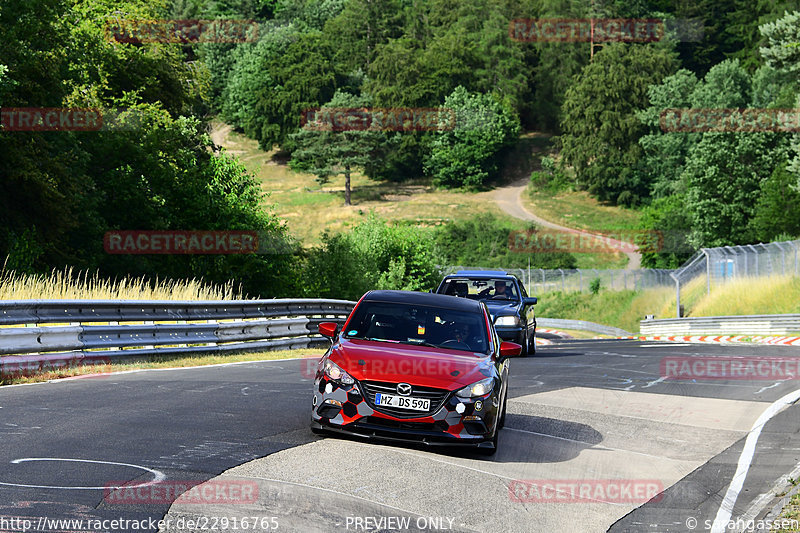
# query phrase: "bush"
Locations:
[[468, 155], [484, 241], [594, 286], [372, 255]]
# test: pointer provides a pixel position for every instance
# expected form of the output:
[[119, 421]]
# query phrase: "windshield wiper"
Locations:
[[422, 343]]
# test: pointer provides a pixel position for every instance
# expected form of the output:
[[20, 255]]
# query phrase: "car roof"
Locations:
[[424, 298], [481, 274]]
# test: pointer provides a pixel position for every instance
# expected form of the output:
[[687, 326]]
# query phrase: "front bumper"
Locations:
[[511, 333], [345, 409]]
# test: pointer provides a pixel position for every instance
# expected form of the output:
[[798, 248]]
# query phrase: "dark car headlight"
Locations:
[[477, 389], [510, 320], [335, 372]]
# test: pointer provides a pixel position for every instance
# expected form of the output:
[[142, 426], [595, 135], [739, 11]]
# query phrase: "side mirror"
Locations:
[[328, 329], [530, 301], [509, 349]]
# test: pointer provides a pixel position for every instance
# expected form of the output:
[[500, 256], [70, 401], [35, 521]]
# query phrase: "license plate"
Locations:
[[402, 402]]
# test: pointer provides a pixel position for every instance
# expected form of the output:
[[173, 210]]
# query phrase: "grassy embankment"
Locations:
[[309, 208], [624, 309]]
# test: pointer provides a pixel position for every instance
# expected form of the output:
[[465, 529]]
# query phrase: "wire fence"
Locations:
[[728, 263], [538, 280], [718, 265]]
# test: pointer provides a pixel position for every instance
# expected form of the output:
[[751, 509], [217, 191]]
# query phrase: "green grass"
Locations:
[[791, 513], [309, 208], [622, 309], [576, 209]]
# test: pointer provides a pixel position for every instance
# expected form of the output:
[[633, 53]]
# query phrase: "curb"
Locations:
[[760, 339]]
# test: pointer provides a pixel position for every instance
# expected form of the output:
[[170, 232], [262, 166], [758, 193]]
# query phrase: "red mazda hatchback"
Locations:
[[413, 366]]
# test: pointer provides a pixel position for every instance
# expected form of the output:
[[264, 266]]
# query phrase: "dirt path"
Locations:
[[219, 136], [509, 199]]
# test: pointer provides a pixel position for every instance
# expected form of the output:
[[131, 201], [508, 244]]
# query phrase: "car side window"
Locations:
[[523, 291]]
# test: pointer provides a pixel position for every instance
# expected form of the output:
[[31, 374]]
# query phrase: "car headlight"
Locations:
[[480, 388], [507, 321], [335, 372]]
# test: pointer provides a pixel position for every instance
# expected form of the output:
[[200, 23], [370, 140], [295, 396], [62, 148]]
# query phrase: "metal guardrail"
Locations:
[[723, 325], [582, 325], [48, 333]]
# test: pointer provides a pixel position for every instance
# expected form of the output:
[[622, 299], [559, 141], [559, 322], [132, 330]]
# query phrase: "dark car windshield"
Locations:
[[481, 289], [419, 325]]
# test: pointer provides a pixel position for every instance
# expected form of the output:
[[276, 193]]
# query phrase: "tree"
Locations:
[[601, 131], [664, 152], [777, 210], [326, 153], [468, 154]]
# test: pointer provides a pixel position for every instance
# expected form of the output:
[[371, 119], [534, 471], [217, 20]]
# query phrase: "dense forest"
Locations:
[[604, 103]]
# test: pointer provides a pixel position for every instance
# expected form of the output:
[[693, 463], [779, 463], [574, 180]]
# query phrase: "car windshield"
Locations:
[[481, 288], [419, 325]]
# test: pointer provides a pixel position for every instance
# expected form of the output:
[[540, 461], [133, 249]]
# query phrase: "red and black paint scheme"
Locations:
[[416, 367]]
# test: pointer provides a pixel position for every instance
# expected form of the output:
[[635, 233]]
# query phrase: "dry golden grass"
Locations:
[[69, 285], [102, 370], [310, 208], [624, 309], [751, 296]]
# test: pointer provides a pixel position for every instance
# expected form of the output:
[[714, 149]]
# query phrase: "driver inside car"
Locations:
[[500, 290]]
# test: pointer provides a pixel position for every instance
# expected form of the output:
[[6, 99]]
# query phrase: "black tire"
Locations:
[[532, 345], [524, 343], [502, 422]]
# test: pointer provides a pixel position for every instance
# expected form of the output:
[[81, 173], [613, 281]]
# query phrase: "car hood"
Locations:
[[405, 363], [501, 307]]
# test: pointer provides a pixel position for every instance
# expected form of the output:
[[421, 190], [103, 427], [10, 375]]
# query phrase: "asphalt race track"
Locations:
[[596, 412]]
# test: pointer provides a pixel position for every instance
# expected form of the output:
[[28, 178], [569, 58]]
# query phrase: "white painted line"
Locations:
[[157, 475], [663, 345], [768, 497], [726, 507], [654, 382]]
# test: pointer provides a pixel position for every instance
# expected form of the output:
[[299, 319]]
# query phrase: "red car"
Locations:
[[417, 367]]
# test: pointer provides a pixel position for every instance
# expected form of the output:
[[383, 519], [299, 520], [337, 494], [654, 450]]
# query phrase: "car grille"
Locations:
[[436, 396]]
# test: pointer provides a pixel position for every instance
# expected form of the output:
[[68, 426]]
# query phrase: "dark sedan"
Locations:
[[508, 303]]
